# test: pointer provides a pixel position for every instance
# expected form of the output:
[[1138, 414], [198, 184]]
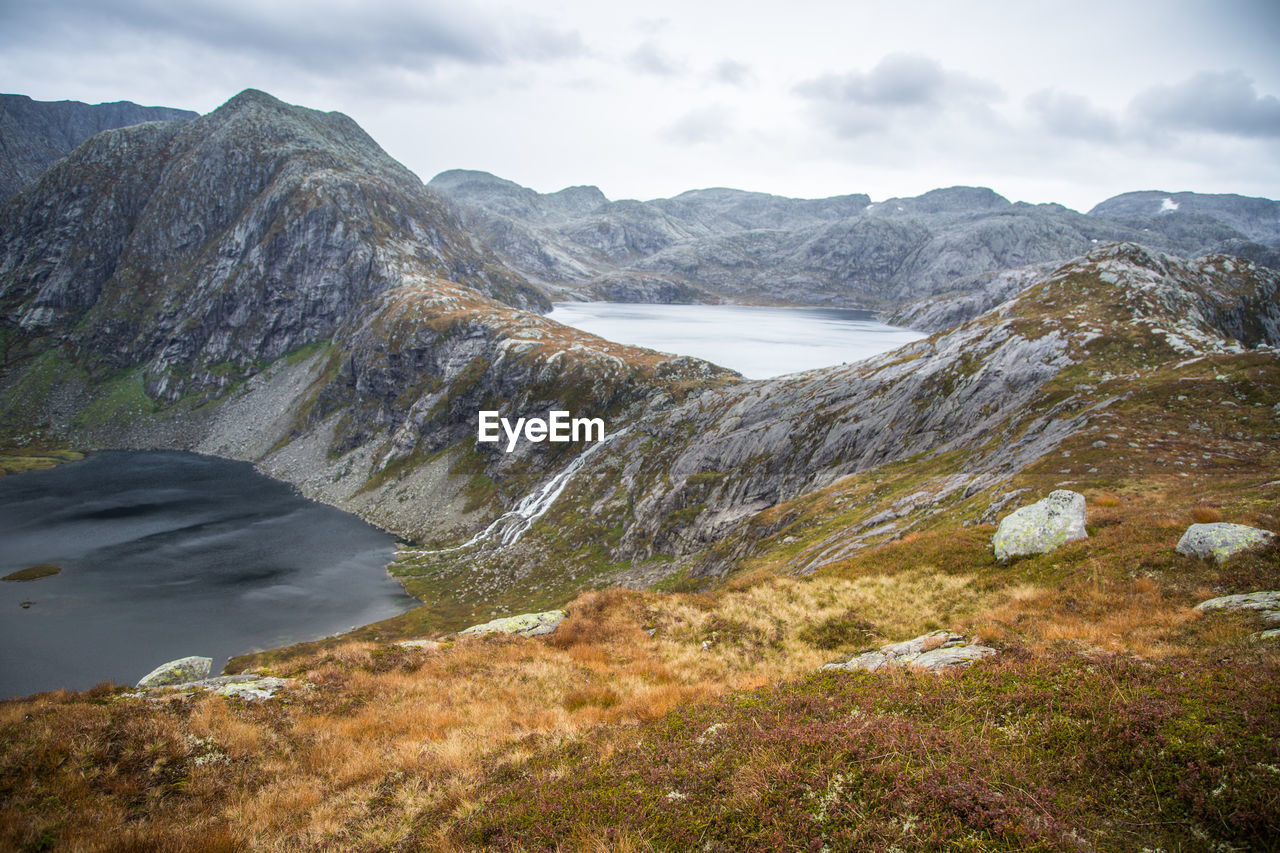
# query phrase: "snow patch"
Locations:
[[1168, 205]]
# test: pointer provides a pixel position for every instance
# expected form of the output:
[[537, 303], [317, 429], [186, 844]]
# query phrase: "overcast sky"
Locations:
[[1064, 101]]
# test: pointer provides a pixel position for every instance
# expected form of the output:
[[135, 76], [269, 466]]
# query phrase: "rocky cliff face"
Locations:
[[841, 251], [33, 134]]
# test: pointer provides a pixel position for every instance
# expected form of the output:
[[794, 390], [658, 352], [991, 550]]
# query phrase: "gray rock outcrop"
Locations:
[[1042, 526], [524, 625], [175, 672], [1221, 540], [932, 652]]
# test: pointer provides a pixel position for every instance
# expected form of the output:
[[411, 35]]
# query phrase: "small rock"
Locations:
[[932, 652], [427, 645], [1269, 634], [181, 671], [253, 689], [1221, 540], [1042, 526], [1098, 445], [526, 624]]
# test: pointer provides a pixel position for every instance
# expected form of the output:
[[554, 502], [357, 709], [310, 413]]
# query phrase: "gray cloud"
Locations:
[[1073, 116], [648, 58], [1224, 102], [709, 124], [733, 73], [319, 36], [860, 102]]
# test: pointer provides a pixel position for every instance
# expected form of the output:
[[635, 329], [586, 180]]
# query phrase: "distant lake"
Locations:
[[166, 555], [757, 342]]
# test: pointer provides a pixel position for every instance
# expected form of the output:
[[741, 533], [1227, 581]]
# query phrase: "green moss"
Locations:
[[120, 400], [18, 461]]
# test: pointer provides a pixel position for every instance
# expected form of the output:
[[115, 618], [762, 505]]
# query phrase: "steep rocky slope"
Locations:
[[33, 134], [705, 245]]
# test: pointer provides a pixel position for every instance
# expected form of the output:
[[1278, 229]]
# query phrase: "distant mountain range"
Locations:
[[712, 245], [708, 245], [33, 134]]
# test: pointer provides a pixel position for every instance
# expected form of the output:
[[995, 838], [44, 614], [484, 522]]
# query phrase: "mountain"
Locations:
[[195, 251], [709, 245], [33, 134]]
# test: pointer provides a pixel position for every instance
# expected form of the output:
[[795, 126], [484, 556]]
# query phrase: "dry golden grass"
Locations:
[[1206, 515]]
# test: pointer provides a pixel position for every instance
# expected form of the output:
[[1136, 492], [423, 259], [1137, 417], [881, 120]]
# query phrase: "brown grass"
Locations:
[[1206, 515]]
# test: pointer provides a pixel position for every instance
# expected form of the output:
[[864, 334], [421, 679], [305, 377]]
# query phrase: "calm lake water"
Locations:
[[168, 554], [756, 342]]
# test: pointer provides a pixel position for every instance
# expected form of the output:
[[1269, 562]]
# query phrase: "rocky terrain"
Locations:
[[705, 245], [33, 134]]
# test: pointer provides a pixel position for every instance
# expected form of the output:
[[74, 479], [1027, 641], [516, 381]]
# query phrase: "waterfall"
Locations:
[[507, 528]]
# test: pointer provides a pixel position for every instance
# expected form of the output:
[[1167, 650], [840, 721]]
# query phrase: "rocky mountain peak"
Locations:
[[946, 201], [245, 234]]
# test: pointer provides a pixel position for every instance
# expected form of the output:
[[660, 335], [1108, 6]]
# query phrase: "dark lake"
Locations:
[[758, 342], [168, 554]]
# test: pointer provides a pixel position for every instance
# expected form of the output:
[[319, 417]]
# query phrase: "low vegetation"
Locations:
[[33, 573]]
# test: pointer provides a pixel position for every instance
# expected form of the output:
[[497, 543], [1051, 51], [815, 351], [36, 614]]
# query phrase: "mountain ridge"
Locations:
[[724, 244], [33, 134]]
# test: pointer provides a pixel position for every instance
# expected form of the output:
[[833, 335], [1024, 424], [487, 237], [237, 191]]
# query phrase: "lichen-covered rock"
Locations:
[[181, 671], [526, 624], [939, 659], [1042, 526], [1265, 600], [1221, 540], [932, 652], [253, 688]]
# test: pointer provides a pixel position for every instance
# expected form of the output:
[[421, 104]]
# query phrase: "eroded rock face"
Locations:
[[181, 671], [932, 652], [1041, 527], [1221, 540], [525, 625]]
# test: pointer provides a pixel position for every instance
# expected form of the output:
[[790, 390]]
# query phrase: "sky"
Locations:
[[1068, 102]]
